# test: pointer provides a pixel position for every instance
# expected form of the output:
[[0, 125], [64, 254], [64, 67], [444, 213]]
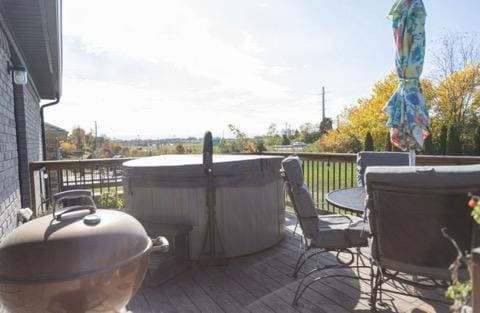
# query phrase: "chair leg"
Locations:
[[377, 290], [299, 265], [302, 288], [375, 281], [299, 291]]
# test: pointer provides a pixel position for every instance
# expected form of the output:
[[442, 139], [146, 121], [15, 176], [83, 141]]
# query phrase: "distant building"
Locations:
[[30, 71], [53, 136]]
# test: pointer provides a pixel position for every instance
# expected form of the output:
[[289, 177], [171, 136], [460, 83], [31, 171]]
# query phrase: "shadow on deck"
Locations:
[[262, 283]]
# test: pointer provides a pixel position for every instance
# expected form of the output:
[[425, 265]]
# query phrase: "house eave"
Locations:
[[34, 29]]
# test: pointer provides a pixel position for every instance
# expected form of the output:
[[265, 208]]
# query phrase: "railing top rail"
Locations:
[[333, 157], [344, 157], [36, 165], [447, 159], [352, 157]]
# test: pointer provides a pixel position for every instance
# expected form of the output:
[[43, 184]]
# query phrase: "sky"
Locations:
[[176, 68]]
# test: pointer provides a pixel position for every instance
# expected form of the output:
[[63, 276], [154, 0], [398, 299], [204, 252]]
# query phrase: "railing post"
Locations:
[[33, 200], [476, 280]]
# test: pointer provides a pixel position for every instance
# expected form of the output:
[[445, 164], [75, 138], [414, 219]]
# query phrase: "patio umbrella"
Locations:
[[406, 109], [212, 254]]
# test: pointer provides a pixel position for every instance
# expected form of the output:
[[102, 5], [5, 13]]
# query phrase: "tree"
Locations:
[[353, 144], [272, 130], [455, 51], [243, 143], [326, 125], [366, 116], [67, 148], [368, 143], [458, 98], [476, 140], [260, 146], [77, 137], [456, 59], [342, 139], [285, 140], [180, 148], [308, 133], [454, 146], [428, 147], [388, 143], [442, 141]]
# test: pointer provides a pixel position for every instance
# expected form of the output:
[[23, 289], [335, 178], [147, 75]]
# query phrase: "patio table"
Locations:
[[350, 199]]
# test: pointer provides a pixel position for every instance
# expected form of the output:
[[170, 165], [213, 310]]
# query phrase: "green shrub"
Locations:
[[428, 147], [111, 200], [442, 141], [476, 141], [454, 147], [388, 143], [368, 144]]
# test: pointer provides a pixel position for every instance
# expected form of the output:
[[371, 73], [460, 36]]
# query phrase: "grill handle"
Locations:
[[73, 194]]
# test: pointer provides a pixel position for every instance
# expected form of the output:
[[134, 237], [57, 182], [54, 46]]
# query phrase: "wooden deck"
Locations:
[[262, 283]]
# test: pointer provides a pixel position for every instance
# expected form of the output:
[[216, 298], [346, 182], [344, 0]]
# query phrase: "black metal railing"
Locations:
[[50, 177], [323, 173]]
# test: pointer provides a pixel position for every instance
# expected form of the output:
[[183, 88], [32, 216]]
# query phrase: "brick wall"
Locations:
[[9, 182], [27, 112]]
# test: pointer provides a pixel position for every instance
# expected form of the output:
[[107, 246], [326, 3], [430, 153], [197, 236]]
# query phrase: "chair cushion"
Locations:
[[303, 202], [339, 231], [370, 158], [292, 168]]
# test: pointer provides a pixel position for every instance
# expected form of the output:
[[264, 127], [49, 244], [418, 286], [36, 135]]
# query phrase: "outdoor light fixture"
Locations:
[[19, 75]]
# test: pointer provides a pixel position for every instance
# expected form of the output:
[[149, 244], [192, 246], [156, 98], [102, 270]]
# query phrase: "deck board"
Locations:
[[262, 283]]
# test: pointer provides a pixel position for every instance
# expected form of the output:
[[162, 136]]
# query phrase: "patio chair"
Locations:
[[407, 209], [370, 158], [323, 233]]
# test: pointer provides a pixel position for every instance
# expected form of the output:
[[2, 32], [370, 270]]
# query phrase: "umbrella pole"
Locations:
[[412, 157], [211, 255]]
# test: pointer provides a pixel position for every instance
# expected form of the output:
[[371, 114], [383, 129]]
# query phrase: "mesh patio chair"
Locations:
[[407, 209], [321, 233], [370, 158]]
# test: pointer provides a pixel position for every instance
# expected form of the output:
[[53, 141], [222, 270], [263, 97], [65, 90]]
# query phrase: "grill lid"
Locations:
[[78, 244]]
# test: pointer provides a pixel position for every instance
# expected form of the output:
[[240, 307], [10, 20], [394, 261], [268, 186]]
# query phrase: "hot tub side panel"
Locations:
[[250, 219], [249, 202]]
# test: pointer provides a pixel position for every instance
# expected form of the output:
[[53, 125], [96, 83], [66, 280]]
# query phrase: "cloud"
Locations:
[[172, 33], [177, 68]]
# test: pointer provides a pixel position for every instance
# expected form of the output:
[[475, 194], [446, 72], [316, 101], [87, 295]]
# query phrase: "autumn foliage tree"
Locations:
[[367, 117], [452, 95]]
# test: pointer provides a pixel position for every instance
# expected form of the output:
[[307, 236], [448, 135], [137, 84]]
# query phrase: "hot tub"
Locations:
[[249, 198]]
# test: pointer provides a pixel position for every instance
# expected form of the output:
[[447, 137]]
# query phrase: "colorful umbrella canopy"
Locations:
[[406, 109]]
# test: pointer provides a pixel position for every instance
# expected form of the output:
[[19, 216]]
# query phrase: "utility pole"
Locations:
[[95, 138], [323, 103]]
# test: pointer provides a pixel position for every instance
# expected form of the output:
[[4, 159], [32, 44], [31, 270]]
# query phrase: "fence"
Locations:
[[323, 172], [98, 175]]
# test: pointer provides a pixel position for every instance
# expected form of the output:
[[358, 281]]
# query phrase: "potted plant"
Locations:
[[466, 294]]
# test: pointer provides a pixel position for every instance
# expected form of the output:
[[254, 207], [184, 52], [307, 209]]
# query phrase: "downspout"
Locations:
[[42, 123]]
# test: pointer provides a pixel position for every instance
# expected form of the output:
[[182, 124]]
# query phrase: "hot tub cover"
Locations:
[[187, 171]]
